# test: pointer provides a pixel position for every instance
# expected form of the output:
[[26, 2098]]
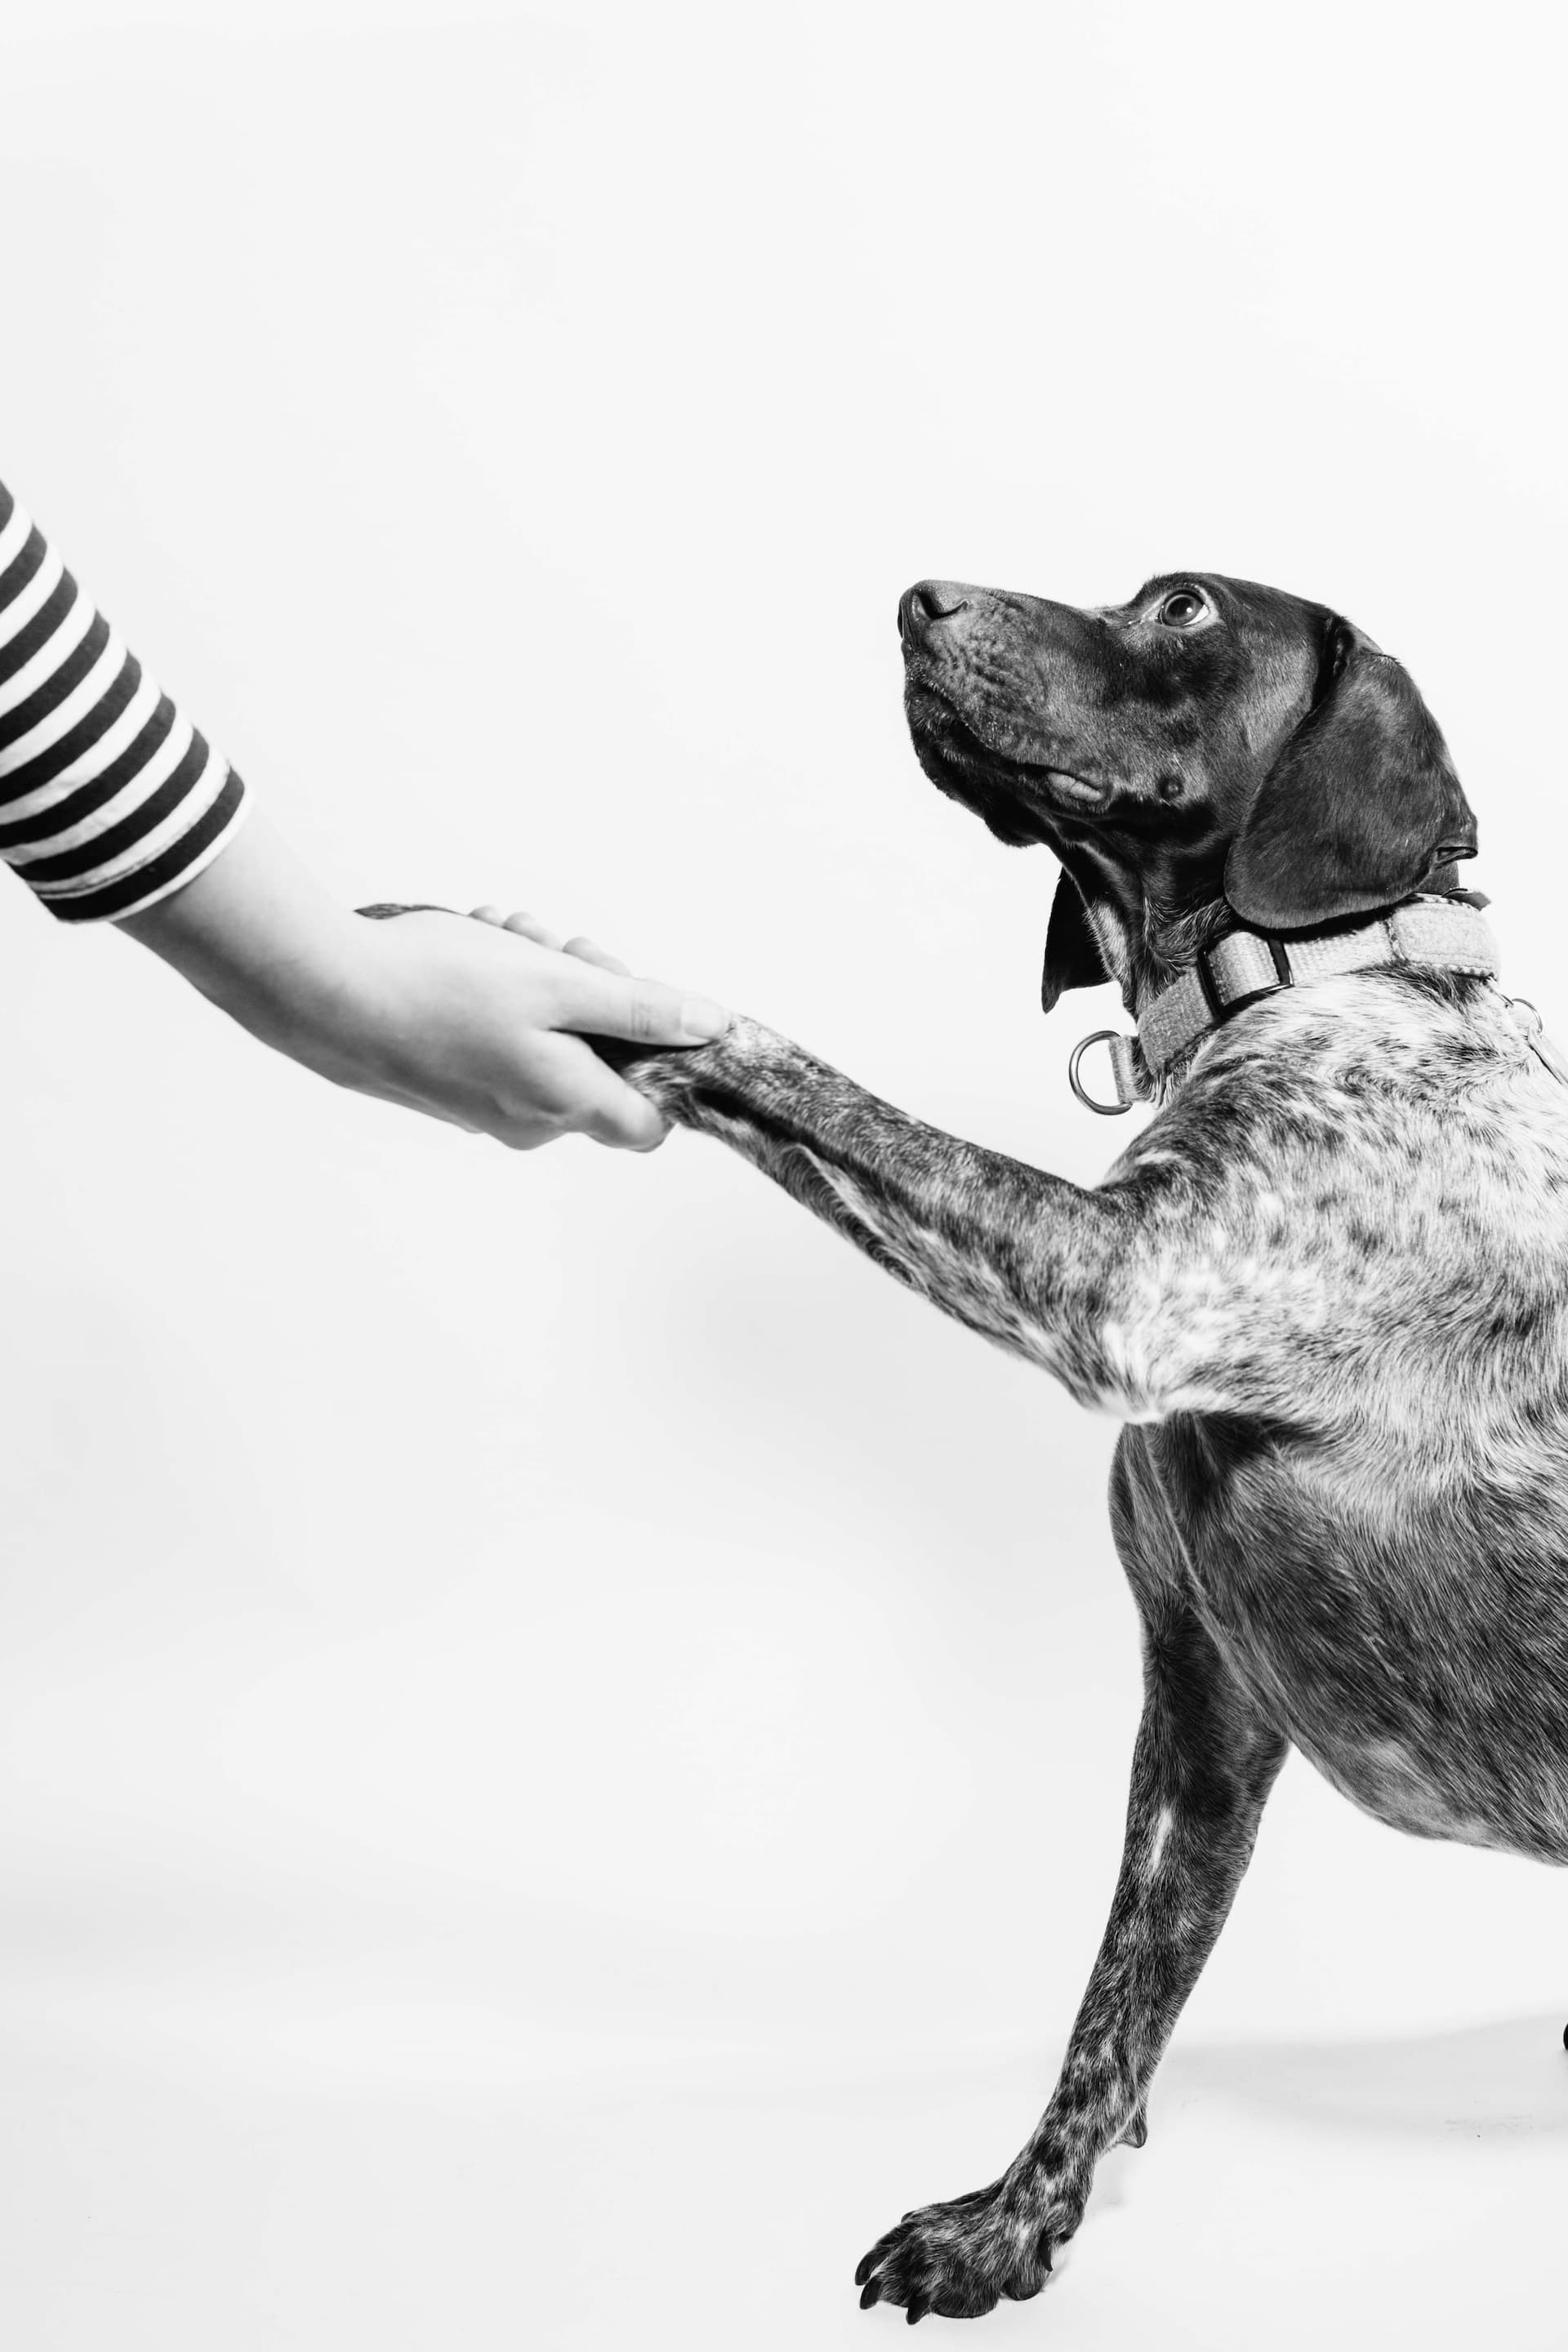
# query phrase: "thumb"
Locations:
[[598, 1003]]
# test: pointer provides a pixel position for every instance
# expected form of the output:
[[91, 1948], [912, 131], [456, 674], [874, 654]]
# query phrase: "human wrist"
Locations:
[[327, 1003], [257, 936]]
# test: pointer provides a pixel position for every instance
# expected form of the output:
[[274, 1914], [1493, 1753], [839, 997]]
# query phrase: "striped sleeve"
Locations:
[[109, 798]]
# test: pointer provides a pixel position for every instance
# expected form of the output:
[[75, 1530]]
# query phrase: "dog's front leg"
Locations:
[[1202, 1769], [1022, 1257]]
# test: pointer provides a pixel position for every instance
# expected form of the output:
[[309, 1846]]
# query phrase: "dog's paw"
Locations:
[[670, 1076], [700, 1085], [961, 2259]]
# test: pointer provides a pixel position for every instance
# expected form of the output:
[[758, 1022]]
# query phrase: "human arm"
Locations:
[[114, 807], [477, 1022]]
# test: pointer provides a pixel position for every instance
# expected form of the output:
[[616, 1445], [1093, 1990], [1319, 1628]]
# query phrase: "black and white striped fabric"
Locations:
[[109, 798]]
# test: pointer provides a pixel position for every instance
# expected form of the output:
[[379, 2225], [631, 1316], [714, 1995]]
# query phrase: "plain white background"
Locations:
[[562, 1742]]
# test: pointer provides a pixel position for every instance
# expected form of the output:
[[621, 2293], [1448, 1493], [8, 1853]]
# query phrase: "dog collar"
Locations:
[[1436, 934]]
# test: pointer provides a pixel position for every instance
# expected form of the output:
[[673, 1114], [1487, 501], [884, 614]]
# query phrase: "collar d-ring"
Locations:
[[1122, 1071]]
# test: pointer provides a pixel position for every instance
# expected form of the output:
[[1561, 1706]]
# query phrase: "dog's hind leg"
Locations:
[[1201, 1770]]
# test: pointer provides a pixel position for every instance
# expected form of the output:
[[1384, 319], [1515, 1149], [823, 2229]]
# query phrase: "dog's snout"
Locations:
[[927, 602]]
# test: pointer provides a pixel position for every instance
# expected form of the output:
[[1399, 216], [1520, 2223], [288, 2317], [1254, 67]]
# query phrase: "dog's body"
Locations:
[[1325, 1289]]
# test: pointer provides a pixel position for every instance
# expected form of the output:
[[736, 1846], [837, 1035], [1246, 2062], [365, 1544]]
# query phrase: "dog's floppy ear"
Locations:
[[1361, 805], [1073, 957]]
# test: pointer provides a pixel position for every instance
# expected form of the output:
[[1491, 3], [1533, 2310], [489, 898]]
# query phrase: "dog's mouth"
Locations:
[[1017, 798]]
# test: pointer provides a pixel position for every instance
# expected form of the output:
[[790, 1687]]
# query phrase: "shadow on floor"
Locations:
[[1506, 2080]]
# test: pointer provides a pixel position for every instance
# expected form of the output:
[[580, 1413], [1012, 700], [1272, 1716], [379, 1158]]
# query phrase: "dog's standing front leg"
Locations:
[[1202, 1769]]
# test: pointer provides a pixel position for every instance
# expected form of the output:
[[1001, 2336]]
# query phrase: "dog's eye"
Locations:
[[1180, 611]]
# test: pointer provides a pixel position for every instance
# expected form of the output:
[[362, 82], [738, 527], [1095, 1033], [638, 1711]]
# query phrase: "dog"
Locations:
[[1323, 1290]]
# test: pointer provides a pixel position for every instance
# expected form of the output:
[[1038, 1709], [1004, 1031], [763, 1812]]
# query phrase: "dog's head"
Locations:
[[1211, 747]]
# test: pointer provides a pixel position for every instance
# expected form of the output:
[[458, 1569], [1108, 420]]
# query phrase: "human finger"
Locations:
[[589, 951], [603, 1003], [612, 1113], [524, 926]]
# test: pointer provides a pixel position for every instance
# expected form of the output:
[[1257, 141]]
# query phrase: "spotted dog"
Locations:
[[1323, 1290]]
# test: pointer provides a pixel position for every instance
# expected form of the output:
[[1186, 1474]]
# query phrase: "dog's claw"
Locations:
[[917, 2309], [870, 2292], [1043, 2251]]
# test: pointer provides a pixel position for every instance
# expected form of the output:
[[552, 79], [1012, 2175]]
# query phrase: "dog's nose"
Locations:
[[928, 602]]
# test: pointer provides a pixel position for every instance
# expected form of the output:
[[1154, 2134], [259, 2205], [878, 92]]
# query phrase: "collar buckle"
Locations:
[[1222, 1007]]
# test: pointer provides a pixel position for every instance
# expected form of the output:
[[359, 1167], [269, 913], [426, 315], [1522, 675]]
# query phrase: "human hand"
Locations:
[[484, 1023], [493, 1036]]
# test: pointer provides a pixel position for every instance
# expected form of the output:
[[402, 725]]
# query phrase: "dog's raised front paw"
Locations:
[[960, 2258], [699, 1085]]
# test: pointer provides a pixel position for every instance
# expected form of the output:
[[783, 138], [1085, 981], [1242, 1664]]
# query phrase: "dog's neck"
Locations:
[[1167, 943], [1438, 931], [1151, 930]]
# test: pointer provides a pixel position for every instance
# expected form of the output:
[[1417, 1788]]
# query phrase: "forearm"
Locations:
[[258, 936]]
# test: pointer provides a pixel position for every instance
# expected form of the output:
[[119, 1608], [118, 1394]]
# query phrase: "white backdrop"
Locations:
[[562, 1742]]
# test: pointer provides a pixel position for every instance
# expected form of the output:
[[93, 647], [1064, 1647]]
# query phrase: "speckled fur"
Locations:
[[1324, 1290]]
